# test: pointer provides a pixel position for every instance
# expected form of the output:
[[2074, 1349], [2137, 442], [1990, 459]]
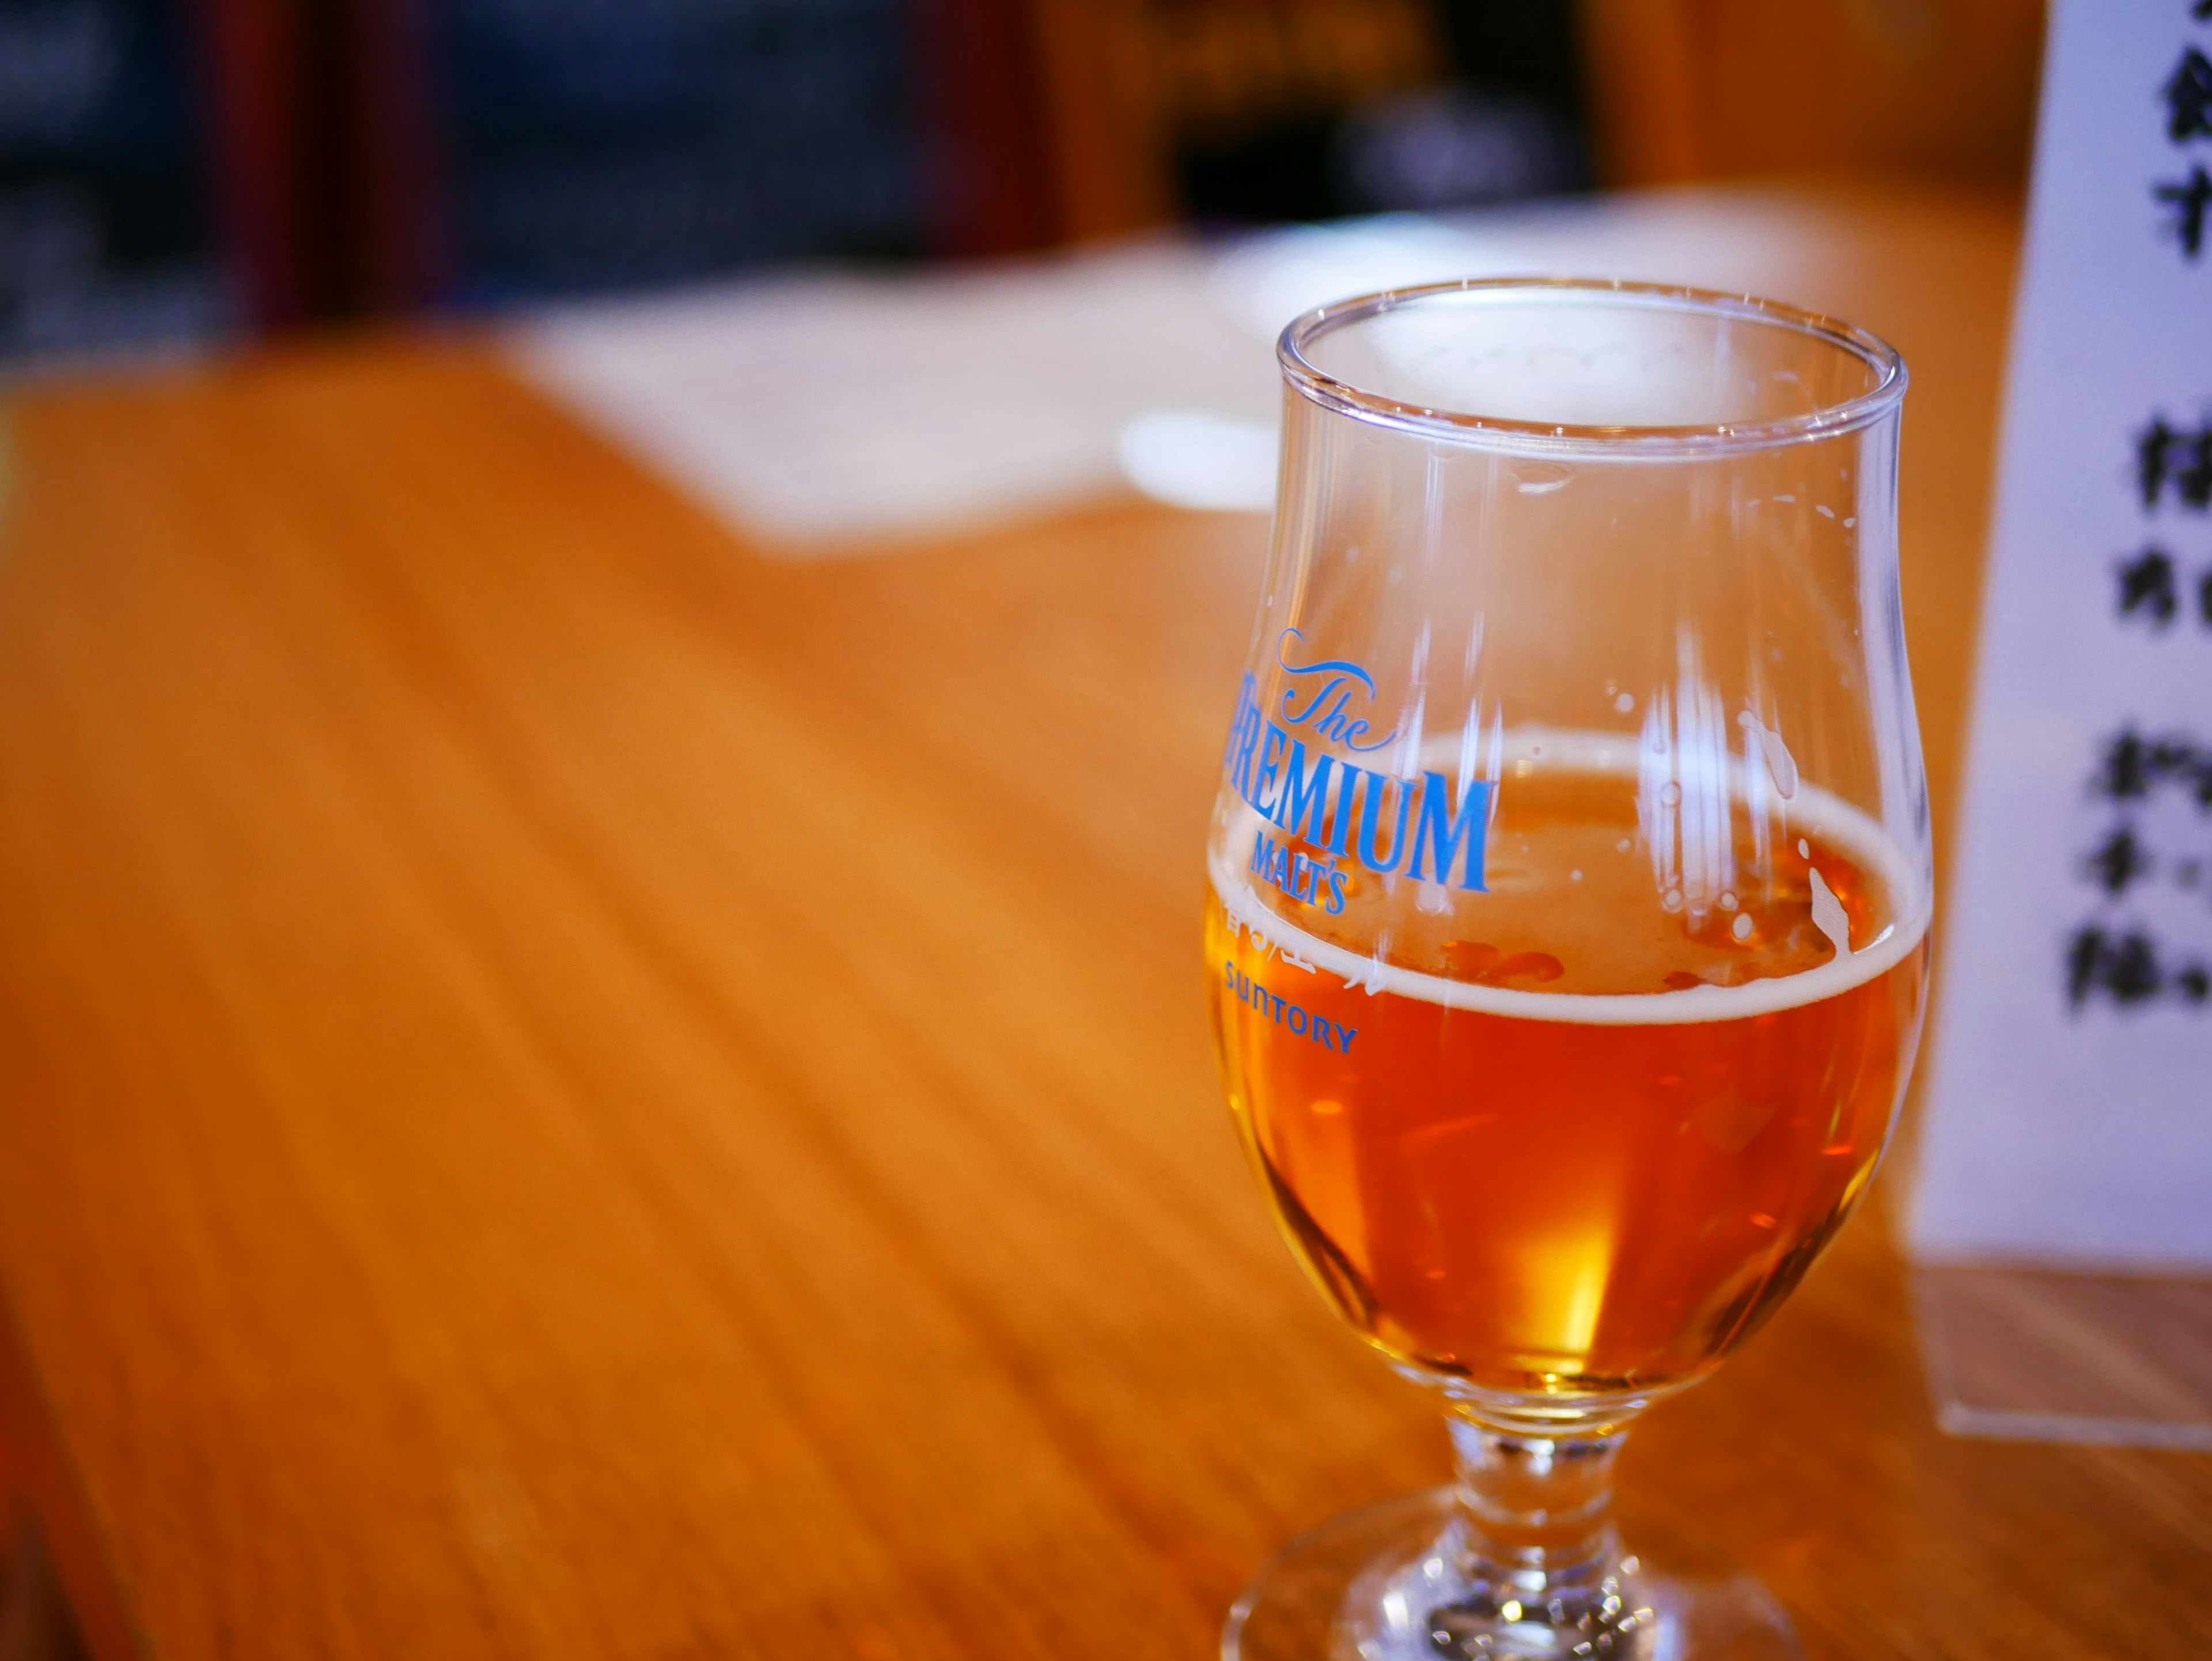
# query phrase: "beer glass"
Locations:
[[1571, 884]]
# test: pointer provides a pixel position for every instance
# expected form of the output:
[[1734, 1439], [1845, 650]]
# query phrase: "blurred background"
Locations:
[[850, 273], [178, 174]]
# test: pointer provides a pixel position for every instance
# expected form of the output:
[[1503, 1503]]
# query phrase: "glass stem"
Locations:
[[1536, 1511]]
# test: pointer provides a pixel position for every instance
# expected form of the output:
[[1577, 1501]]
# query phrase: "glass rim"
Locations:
[[1553, 438]]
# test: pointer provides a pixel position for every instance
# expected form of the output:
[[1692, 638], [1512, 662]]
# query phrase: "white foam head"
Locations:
[[1813, 813]]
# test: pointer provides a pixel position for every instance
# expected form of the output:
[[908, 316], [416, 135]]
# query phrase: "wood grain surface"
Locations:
[[567, 1090], [2102, 1357]]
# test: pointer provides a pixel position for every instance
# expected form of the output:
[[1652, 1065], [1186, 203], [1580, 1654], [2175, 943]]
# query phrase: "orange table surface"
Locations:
[[568, 1089]]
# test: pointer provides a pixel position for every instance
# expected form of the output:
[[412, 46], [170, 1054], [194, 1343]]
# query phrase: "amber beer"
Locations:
[[1579, 1133]]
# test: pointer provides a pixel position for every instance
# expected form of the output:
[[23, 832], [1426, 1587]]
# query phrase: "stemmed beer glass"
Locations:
[[1569, 896]]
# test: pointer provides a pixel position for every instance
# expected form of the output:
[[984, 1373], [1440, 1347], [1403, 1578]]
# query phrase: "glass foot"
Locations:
[[1387, 1584]]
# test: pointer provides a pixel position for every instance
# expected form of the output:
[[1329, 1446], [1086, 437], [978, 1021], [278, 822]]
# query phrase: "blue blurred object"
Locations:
[[583, 145], [108, 239], [1456, 147], [1426, 104]]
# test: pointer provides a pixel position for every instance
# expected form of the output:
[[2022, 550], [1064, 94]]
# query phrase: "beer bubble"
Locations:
[[1625, 702], [1530, 965], [1672, 899], [1574, 876], [1804, 849], [1670, 794], [1623, 846], [1468, 958], [1728, 901], [1741, 927]]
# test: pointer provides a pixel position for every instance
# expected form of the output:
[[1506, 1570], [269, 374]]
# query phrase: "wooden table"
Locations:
[[570, 1090]]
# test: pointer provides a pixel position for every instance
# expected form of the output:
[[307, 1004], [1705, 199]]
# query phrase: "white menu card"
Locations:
[[2070, 1108]]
